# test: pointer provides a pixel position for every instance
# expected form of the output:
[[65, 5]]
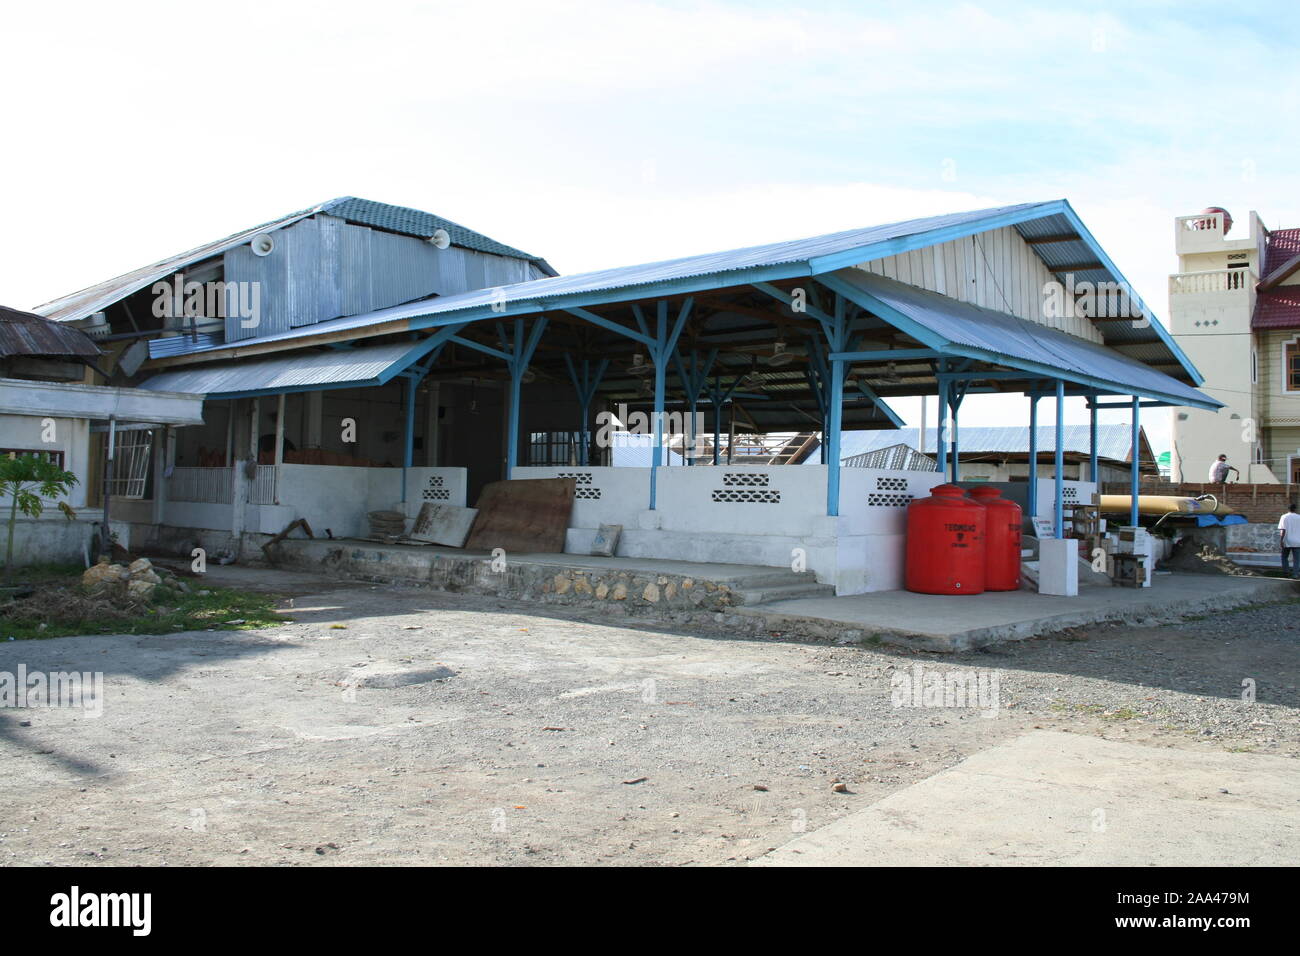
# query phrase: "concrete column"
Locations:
[[1058, 510], [164, 457]]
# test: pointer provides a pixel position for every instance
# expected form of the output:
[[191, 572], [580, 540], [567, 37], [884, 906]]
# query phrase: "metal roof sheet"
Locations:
[[414, 222], [813, 256], [1007, 340], [97, 297], [296, 371], [22, 333], [790, 252], [401, 219]]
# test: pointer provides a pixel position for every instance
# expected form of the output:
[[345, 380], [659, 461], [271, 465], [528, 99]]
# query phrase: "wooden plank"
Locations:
[[523, 516]]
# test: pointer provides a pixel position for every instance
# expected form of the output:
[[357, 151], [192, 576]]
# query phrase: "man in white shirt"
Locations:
[[1288, 539], [1219, 470]]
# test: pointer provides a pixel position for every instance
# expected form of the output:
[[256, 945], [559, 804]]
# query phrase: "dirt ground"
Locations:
[[388, 726]]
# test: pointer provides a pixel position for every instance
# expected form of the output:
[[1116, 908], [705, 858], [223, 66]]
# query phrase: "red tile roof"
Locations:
[[1278, 308]]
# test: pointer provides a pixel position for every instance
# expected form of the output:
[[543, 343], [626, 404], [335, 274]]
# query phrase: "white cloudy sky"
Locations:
[[603, 133]]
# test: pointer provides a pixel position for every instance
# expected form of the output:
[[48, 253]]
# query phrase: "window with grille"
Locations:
[[130, 463], [1293, 367]]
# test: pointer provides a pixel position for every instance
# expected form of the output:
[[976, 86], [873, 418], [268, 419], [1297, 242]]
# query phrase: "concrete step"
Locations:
[[1255, 559], [762, 577], [749, 595]]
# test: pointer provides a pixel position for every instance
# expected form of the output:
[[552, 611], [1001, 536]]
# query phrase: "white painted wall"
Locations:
[[71, 436], [603, 495], [328, 496], [753, 514]]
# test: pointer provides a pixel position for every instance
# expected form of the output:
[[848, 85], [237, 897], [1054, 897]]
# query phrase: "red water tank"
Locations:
[[945, 543], [1002, 540]]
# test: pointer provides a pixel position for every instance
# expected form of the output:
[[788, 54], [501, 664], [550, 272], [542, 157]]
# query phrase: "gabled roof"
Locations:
[[1052, 229], [968, 330], [1278, 307], [400, 219], [22, 333]]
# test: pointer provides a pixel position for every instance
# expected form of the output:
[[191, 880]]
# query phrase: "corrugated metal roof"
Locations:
[[1015, 342], [819, 256], [22, 333], [789, 252], [414, 222], [1112, 440], [97, 297], [296, 371], [401, 219]]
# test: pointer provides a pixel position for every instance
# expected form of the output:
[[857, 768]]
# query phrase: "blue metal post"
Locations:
[[408, 448], [953, 465], [1058, 526], [516, 374], [1092, 440], [521, 354], [1133, 476], [835, 417], [717, 430], [941, 431], [660, 359], [1033, 456]]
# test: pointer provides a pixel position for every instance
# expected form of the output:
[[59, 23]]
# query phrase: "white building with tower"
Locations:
[[1234, 307]]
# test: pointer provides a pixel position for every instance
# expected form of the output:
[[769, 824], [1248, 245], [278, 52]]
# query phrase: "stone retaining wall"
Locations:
[[632, 591]]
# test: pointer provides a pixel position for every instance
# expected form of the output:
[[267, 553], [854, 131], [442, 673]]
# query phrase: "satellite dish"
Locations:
[[440, 239], [262, 244]]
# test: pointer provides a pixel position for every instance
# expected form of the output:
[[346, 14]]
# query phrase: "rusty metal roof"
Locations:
[[22, 333]]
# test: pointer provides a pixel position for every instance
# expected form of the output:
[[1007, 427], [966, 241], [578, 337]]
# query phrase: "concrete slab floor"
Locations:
[[1050, 798], [957, 622]]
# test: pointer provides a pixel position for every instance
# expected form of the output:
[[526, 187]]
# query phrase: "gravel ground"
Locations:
[[391, 726]]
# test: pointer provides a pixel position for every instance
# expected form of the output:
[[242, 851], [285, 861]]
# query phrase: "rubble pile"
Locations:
[[138, 582]]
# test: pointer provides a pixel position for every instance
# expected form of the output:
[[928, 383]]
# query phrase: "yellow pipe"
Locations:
[[1163, 505]]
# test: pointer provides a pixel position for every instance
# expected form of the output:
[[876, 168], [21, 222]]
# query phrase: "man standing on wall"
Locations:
[[1288, 534], [1219, 471]]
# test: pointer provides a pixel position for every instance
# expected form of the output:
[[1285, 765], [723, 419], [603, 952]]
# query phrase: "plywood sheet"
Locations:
[[443, 524], [528, 515]]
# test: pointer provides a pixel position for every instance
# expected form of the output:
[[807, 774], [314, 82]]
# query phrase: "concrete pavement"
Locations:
[[1049, 798]]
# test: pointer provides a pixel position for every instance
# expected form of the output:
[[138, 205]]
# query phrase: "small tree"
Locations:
[[24, 480]]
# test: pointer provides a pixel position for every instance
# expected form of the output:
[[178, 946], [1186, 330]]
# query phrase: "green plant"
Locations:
[[24, 480]]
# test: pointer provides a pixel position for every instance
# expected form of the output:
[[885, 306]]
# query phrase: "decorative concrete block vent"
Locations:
[[436, 490], [889, 493], [747, 487], [585, 486]]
